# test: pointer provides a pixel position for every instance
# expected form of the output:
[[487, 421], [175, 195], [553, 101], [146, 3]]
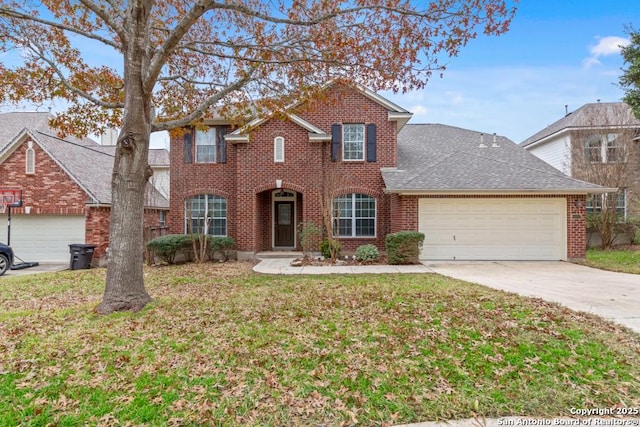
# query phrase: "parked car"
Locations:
[[6, 258]]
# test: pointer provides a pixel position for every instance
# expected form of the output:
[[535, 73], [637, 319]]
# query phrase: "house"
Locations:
[[476, 197], [600, 143], [66, 189]]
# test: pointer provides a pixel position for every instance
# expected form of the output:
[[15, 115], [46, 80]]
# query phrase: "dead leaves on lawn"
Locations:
[[221, 345]]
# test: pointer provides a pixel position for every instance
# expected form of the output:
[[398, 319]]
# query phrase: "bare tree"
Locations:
[[171, 62], [332, 182], [606, 151]]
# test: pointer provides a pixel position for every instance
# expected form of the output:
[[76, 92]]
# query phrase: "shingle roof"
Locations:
[[440, 158], [589, 115], [86, 162]]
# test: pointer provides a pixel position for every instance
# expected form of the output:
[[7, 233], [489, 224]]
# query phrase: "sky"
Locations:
[[556, 53]]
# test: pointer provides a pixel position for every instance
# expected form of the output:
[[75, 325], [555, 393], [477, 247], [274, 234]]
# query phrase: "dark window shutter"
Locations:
[[336, 140], [371, 142], [221, 144], [188, 147]]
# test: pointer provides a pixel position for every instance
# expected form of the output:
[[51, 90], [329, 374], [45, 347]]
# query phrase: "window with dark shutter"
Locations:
[[221, 146], [188, 147], [371, 142], [336, 141]]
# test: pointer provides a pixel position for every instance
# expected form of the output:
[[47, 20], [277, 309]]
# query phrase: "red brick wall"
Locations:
[[97, 230], [576, 227], [250, 174], [49, 191]]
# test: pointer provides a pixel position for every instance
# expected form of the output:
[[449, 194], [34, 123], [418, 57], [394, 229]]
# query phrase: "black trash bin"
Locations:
[[81, 255]]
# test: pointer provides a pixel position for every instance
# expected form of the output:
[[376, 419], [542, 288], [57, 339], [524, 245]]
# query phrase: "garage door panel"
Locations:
[[45, 238], [493, 229]]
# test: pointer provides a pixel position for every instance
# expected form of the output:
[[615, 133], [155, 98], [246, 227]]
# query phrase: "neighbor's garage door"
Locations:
[[493, 229], [44, 238]]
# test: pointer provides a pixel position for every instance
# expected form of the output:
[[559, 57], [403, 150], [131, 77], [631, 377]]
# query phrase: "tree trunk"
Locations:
[[125, 289]]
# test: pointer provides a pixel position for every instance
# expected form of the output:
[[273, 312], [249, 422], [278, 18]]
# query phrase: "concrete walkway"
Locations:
[[282, 266], [43, 267]]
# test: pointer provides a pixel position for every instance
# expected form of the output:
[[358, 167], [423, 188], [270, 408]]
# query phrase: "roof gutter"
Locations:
[[463, 192]]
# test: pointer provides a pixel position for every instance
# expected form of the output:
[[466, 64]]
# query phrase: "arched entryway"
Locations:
[[284, 219]]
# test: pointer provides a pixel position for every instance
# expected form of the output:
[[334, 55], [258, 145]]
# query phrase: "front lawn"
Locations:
[[622, 260], [224, 346]]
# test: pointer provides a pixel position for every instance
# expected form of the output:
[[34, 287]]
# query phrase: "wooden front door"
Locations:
[[285, 224]]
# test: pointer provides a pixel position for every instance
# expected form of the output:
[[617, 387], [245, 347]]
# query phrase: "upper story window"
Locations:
[[353, 142], [206, 146], [354, 215], [604, 149], [615, 149], [278, 149], [30, 159], [210, 145]]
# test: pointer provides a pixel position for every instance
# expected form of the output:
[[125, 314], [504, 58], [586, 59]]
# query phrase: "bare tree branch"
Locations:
[[202, 108], [31, 18]]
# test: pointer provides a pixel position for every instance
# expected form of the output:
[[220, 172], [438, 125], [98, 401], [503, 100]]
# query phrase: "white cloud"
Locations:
[[514, 101], [591, 62], [419, 110], [608, 46]]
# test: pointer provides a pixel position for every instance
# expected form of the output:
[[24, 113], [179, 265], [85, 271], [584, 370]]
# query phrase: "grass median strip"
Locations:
[[622, 260], [222, 345]]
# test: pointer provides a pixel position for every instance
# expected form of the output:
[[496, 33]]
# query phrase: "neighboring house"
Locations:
[[66, 189], [600, 143], [474, 197]]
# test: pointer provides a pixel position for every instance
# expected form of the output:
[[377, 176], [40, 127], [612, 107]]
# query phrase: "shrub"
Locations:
[[166, 247], [325, 248], [310, 234], [221, 245], [404, 247], [367, 253]]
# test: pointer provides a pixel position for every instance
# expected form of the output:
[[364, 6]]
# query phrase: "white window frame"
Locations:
[[604, 149], [595, 203], [338, 216], [30, 159], [278, 149], [348, 138], [211, 214], [206, 138]]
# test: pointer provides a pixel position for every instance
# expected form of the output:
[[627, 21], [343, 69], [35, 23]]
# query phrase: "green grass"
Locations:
[[622, 260], [221, 345]]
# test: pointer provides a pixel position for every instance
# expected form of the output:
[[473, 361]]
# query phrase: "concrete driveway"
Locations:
[[44, 267], [614, 296]]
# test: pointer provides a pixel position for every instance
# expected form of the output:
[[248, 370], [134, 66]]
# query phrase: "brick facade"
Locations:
[[51, 191], [250, 176], [48, 191]]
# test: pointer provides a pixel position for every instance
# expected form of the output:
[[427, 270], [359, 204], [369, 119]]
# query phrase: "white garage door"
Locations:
[[493, 229], [43, 238]]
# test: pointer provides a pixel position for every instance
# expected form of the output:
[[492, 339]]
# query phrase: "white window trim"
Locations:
[[188, 215], [353, 218], [30, 159], [278, 149], [214, 145], [601, 199], [364, 142], [604, 145]]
